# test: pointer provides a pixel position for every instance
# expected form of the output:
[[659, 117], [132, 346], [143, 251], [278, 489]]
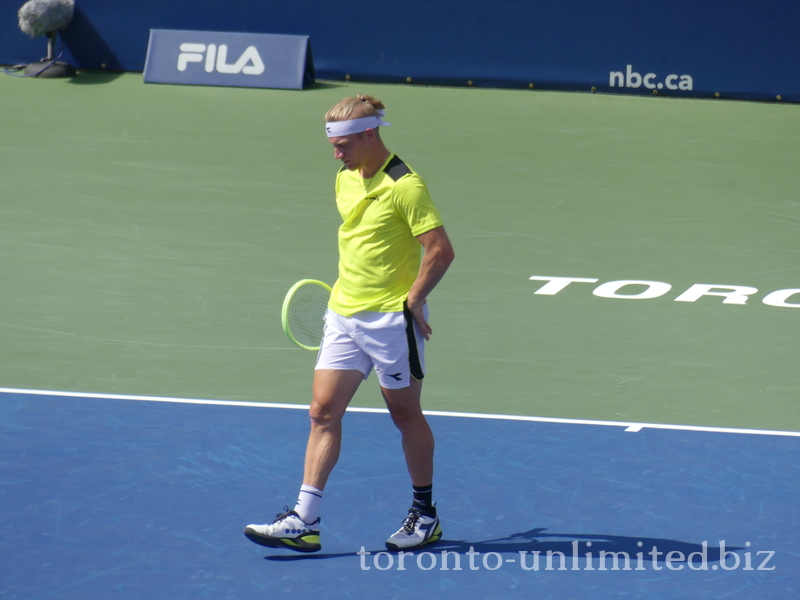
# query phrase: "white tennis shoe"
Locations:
[[417, 530], [287, 531]]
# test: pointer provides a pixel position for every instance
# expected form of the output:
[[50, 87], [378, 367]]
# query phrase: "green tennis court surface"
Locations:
[[149, 234]]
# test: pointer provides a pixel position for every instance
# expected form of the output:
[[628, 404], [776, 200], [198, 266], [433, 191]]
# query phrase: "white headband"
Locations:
[[342, 128]]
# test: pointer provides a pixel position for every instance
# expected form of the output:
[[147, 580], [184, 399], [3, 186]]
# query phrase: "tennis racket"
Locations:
[[304, 311]]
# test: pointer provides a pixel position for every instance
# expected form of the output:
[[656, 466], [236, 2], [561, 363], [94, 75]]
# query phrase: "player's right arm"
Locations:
[[439, 254]]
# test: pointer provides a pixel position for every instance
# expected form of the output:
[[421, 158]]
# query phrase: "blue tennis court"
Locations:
[[121, 497]]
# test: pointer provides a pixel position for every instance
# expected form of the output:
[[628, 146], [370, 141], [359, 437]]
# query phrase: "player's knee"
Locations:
[[322, 414], [405, 417]]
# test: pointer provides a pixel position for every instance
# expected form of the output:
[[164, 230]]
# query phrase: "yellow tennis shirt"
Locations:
[[379, 255]]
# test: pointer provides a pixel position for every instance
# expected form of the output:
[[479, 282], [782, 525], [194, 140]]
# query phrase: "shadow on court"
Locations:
[[580, 546], [325, 85], [95, 77]]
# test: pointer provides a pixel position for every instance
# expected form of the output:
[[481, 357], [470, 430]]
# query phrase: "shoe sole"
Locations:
[[435, 537], [308, 543]]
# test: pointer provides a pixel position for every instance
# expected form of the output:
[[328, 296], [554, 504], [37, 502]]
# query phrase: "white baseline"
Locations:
[[629, 426]]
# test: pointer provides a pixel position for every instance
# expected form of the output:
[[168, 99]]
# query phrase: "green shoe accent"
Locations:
[[309, 543]]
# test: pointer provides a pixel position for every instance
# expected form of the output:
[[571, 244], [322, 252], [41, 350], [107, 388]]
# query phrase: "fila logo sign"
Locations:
[[256, 60], [216, 59], [731, 294]]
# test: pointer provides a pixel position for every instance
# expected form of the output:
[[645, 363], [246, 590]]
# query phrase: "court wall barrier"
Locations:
[[714, 48]]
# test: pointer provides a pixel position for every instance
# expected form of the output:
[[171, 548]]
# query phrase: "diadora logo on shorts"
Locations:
[[373, 198], [647, 290], [215, 58]]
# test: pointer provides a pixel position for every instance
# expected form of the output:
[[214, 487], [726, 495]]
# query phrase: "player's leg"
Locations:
[[405, 408], [397, 349], [298, 529], [333, 391], [421, 526], [341, 367]]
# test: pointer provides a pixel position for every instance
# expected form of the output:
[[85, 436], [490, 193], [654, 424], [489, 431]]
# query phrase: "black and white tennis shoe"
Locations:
[[418, 530]]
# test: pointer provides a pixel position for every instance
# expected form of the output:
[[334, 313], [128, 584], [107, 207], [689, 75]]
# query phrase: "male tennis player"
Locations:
[[376, 319]]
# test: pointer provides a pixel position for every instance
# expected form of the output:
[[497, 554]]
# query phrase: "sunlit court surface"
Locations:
[[612, 377]]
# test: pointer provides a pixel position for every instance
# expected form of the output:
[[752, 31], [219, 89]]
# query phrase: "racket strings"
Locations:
[[307, 314]]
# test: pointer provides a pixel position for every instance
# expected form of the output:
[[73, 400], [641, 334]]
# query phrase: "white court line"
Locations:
[[629, 427]]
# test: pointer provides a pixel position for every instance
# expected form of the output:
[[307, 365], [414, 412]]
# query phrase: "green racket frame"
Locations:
[[287, 309]]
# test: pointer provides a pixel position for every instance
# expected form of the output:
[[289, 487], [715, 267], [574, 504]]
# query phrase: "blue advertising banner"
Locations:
[[714, 48], [229, 59]]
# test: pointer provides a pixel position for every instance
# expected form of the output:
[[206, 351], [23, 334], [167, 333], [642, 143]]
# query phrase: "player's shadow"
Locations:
[[557, 550], [570, 545]]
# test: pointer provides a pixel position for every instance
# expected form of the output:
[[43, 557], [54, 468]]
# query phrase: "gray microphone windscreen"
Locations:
[[37, 17]]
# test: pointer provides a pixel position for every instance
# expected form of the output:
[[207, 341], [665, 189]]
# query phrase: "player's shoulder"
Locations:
[[404, 181], [397, 168]]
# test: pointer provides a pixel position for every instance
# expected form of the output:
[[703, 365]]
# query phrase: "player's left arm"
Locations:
[[438, 255]]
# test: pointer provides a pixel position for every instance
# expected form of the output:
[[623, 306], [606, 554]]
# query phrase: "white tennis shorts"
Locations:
[[391, 343]]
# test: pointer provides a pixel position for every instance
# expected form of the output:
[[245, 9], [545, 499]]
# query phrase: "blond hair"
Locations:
[[354, 108]]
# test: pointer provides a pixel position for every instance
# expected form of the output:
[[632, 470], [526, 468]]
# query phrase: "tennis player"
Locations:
[[377, 319]]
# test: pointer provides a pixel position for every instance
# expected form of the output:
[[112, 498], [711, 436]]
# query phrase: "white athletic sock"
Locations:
[[308, 502]]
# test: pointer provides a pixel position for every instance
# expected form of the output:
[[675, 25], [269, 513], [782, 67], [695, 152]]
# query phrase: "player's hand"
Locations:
[[419, 317]]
